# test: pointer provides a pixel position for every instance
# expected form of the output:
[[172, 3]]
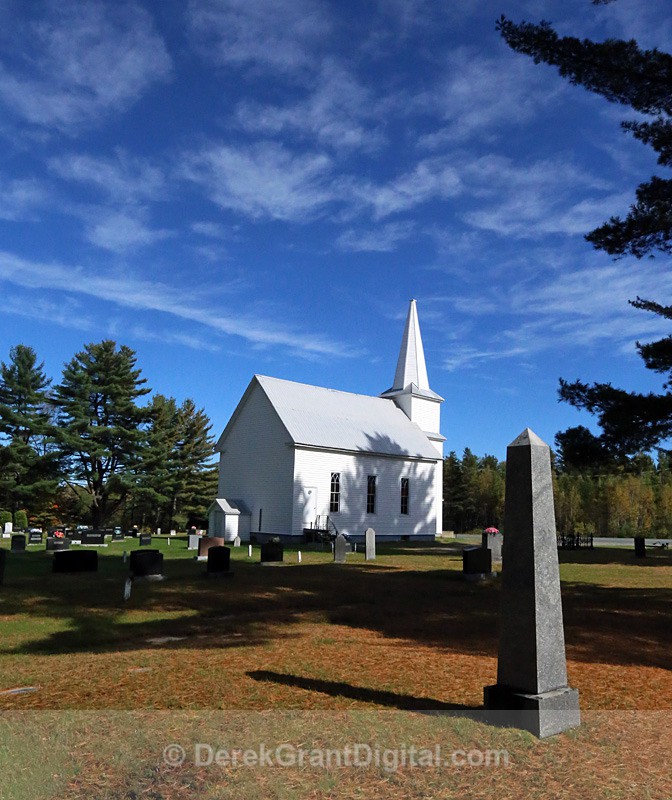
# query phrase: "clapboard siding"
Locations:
[[313, 468], [256, 464]]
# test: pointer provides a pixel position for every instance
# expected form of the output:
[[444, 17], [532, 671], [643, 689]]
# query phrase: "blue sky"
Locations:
[[241, 186]]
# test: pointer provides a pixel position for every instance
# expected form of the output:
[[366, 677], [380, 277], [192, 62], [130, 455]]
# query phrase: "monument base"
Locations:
[[541, 714]]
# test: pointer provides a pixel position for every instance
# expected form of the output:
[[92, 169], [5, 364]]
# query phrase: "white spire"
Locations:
[[411, 366]]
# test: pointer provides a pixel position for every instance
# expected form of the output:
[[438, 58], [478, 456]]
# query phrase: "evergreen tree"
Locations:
[[623, 73], [101, 426], [195, 473], [176, 478], [28, 461]]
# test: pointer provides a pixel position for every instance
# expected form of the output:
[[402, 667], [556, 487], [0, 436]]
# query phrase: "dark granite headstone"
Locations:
[[35, 537], [54, 543], [145, 540], [640, 547], [272, 552], [531, 690], [3, 561], [206, 542], [219, 561], [75, 561], [93, 537], [476, 561], [146, 563], [118, 535], [18, 544]]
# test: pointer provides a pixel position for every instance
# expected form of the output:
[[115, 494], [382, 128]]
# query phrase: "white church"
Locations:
[[296, 459]]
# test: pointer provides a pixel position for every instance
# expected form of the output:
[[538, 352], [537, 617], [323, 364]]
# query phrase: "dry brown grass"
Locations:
[[318, 653]]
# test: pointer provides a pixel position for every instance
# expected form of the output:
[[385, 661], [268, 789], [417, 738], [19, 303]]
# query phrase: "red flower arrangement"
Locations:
[[58, 534]]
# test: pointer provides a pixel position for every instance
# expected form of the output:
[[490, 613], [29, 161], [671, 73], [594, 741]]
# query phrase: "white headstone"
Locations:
[[340, 546], [8, 527], [168, 540], [236, 541], [158, 531], [173, 533], [249, 551], [370, 537], [127, 588], [193, 541], [298, 556]]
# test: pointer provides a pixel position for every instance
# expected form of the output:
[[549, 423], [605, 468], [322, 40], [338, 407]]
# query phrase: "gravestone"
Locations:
[[18, 544], [370, 544], [158, 531], [75, 561], [35, 537], [146, 564], [93, 537], [9, 527], [193, 541], [249, 551], [118, 535], [272, 553], [206, 542], [236, 541], [531, 690], [55, 544], [476, 562], [340, 547], [173, 532], [298, 556], [640, 547], [145, 540], [219, 562], [493, 542], [3, 561]]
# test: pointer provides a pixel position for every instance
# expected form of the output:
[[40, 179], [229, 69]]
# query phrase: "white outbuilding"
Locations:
[[296, 458]]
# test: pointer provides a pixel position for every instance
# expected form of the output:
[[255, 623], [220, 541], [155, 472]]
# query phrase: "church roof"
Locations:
[[334, 420]]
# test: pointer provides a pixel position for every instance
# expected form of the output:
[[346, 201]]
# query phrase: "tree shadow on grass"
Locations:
[[431, 607], [360, 693], [624, 556]]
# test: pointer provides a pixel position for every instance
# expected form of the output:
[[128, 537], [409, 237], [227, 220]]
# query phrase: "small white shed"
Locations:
[[228, 519]]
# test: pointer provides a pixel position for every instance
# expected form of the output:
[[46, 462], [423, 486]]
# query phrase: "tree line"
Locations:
[[91, 450], [627, 497]]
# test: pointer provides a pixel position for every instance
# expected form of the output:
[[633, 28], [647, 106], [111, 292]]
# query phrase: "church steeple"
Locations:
[[410, 390], [411, 366]]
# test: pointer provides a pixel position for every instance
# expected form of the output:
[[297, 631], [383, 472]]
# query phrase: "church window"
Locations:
[[404, 495], [335, 493], [371, 494]]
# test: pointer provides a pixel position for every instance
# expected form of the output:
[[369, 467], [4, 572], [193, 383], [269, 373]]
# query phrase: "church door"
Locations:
[[309, 506]]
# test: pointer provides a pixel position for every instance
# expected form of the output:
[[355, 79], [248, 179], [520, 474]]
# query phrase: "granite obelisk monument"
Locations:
[[531, 690]]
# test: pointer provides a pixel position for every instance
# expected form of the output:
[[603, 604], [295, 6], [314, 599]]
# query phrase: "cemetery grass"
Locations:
[[320, 654]]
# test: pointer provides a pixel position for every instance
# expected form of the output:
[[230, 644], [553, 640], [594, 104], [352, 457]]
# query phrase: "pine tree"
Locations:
[[28, 460], [196, 474], [623, 73], [101, 426]]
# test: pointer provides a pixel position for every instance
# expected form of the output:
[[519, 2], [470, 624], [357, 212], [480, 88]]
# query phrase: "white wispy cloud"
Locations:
[[281, 36], [533, 199], [138, 294], [20, 197], [479, 96], [80, 61], [430, 179], [575, 308], [263, 180], [383, 239], [338, 111], [120, 231], [123, 178]]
